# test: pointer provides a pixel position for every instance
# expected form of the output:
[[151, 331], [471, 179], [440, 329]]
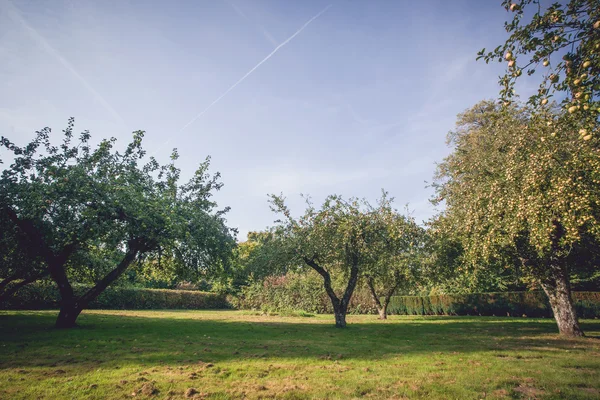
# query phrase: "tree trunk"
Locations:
[[558, 290], [71, 306], [340, 319], [381, 310], [68, 315], [340, 307]]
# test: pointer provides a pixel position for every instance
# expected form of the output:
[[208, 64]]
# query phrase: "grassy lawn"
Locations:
[[233, 354]]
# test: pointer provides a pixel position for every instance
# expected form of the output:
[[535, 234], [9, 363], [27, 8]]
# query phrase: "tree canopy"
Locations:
[[518, 187], [72, 202]]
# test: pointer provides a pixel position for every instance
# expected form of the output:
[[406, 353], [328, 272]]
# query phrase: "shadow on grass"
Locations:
[[28, 339]]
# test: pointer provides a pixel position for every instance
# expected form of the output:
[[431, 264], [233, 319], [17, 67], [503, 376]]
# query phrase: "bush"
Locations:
[[298, 292], [44, 295], [531, 304]]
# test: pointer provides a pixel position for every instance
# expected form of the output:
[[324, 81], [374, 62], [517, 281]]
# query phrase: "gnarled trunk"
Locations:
[[72, 306], [558, 290]]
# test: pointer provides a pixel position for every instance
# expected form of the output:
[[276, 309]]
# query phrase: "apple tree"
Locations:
[[396, 254], [71, 202], [517, 183], [336, 240]]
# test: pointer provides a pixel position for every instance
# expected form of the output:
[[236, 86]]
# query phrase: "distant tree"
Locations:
[[518, 184], [562, 41], [395, 253], [255, 259], [339, 239], [72, 203]]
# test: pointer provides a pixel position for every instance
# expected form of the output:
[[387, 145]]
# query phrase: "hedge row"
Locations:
[[281, 297], [531, 304], [45, 296]]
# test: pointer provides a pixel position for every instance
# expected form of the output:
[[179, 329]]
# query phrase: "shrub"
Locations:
[[298, 292], [44, 295]]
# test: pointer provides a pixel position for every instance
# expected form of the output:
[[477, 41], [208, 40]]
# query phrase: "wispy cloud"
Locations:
[[15, 15], [260, 27], [247, 74]]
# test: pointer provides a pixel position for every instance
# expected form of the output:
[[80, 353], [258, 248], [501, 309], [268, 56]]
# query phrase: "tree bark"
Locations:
[[340, 319], [67, 316], [558, 290]]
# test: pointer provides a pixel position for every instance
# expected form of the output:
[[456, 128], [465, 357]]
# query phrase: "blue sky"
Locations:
[[359, 100]]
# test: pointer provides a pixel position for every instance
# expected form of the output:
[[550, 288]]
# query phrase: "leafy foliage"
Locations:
[[516, 179]]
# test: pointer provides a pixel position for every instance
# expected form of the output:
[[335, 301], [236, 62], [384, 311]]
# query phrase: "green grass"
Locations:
[[233, 354]]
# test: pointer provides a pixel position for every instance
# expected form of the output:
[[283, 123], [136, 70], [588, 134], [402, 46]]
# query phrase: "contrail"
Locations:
[[271, 54], [15, 15]]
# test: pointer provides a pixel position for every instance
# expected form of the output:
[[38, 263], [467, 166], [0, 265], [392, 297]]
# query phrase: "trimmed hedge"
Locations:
[[531, 304], [45, 295], [307, 296]]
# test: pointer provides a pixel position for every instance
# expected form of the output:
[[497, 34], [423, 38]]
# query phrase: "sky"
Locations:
[[306, 97]]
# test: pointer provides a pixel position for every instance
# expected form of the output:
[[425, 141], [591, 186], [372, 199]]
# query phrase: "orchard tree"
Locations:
[[338, 241], [560, 42], [395, 254], [255, 259], [71, 203], [518, 183]]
